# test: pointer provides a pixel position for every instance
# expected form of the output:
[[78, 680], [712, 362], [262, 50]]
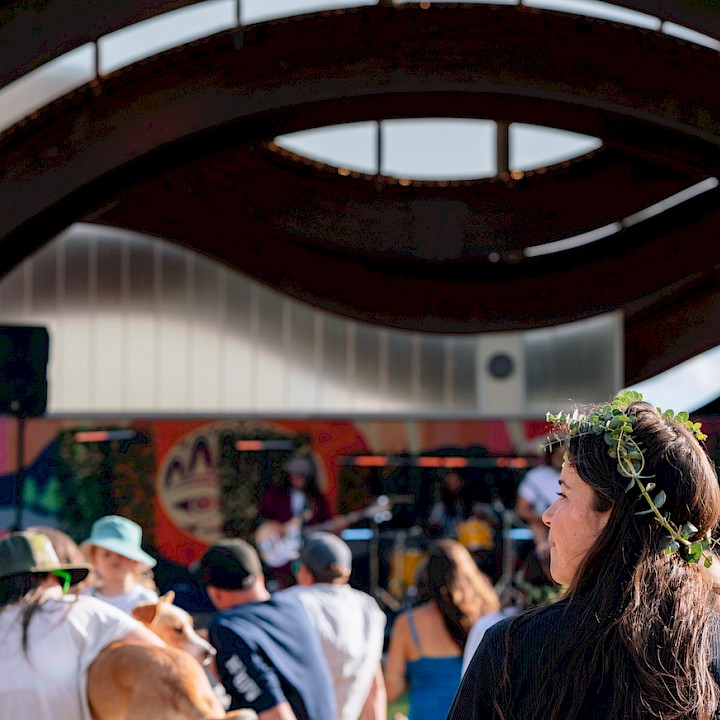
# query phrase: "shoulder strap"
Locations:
[[413, 630]]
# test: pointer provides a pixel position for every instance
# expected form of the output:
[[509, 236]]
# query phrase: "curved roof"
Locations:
[[179, 146]]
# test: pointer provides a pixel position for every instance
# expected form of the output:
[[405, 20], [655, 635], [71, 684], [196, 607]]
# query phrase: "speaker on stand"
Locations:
[[24, 352]]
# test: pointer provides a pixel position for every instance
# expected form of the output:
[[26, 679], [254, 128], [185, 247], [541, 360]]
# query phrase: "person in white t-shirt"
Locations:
[[123, 568], [49, 638], [350, 623], [537, 491]]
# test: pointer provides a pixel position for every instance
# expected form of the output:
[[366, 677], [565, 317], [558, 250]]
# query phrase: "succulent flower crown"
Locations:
[[616, 426]]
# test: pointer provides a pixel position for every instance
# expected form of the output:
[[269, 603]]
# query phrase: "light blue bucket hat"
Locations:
[[121, 536]]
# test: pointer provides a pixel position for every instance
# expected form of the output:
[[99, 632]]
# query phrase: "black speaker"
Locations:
[[23, 370]]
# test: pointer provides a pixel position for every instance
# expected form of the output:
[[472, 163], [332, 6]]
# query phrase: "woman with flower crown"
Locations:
[[635, 635]]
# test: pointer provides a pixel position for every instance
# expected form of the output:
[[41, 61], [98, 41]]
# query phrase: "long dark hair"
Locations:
[[642, 619], [312, 486], [22, 588], [462, 592]]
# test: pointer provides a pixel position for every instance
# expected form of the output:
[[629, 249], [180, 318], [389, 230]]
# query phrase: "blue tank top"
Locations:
[[433, 682]]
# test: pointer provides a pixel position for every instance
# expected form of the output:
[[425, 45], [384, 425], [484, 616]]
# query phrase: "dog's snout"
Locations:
[[210, 653], [203, 648]]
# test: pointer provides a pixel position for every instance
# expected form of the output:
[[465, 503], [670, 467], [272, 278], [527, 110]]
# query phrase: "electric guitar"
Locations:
[[279, 543]]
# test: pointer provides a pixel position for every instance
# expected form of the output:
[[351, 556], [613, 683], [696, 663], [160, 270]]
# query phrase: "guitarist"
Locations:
[[296, 497]]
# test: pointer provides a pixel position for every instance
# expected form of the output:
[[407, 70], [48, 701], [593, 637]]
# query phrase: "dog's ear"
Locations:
[[168, 597], [145, 612]]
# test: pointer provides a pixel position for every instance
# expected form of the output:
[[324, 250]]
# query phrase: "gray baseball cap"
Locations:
[[326, 555]]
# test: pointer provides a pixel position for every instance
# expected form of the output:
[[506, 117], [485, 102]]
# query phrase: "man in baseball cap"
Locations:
[[353, 648], [268, 653]]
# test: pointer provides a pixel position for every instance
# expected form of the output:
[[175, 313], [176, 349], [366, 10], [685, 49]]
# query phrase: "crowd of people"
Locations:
[[613, 615]]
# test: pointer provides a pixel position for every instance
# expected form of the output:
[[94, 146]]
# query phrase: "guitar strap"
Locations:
[[298, 503]]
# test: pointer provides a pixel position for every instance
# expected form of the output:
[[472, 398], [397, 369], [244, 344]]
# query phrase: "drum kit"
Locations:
[[498, 549]]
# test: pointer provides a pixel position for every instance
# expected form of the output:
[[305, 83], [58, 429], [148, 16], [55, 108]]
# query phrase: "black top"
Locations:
[[541, 636], [268, 653]]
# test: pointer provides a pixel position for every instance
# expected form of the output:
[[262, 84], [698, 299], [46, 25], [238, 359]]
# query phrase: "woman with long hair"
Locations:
[[635, 636], [426, 643]]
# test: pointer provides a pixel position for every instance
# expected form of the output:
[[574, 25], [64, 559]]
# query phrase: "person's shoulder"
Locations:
[[344, 590], [234, 614], [363, 597], [90, 603], [241, 620], [142, 593], [84, 608], [401, 623], [529, 628], [488, 620], [427, 609], [284, 602]]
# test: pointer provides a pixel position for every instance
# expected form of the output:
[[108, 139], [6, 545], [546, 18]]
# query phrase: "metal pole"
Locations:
[[379, 147], [20, 475], [503, 148]]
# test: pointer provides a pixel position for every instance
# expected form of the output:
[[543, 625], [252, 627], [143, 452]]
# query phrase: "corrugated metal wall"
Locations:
[[139, 326]]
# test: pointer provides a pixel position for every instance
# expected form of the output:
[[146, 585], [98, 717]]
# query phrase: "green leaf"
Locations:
[[630, 485], [696, 551], [708, 561], [671, 546], [682, 417], [659, 500], [626, 397]]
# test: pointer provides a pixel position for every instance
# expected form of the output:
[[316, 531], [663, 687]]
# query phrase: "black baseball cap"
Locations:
[[230, 564]]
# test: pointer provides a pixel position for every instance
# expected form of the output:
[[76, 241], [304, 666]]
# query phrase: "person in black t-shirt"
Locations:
[[269, 657], [636, 635]]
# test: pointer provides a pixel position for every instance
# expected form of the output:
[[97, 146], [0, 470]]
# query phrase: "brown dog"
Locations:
[[145, 682], [175, 626]]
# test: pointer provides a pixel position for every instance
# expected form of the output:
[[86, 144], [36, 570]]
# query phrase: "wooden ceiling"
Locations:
[[180, 146]]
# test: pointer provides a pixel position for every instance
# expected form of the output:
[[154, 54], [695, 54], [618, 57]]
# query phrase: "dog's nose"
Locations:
[[210, 653]]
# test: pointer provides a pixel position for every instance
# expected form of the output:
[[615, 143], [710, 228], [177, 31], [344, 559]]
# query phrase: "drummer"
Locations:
[[455, 507]]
